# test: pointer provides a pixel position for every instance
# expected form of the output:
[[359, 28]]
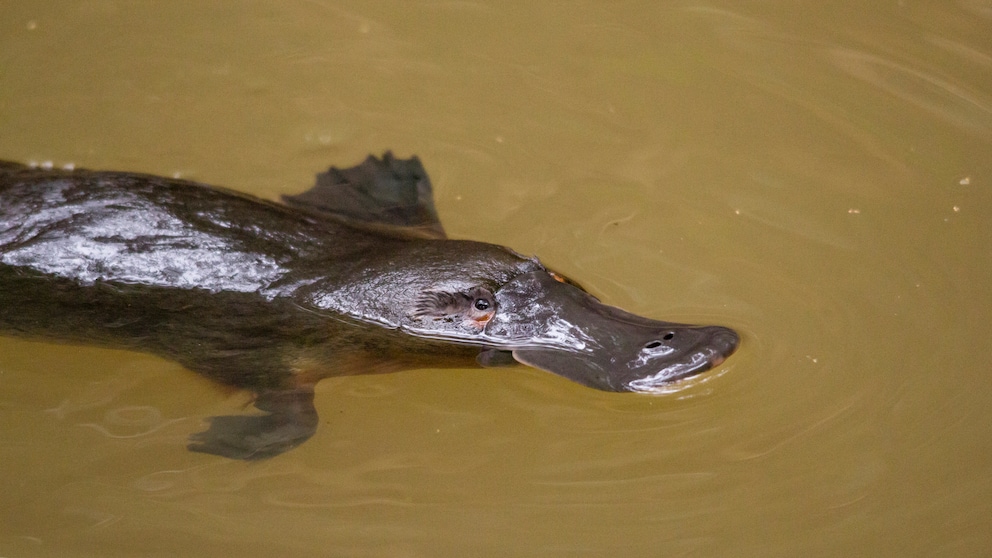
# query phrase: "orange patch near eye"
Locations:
[[477, 322], [557, 277]]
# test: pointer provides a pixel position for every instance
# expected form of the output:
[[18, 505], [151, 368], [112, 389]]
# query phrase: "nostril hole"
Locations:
[[653, 345], [669, 336]]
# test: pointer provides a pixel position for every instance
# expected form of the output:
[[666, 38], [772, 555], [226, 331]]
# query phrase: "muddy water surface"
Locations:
[[818, 177]]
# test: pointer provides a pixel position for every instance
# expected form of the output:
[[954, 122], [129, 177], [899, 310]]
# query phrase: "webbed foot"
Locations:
[[291, 419]]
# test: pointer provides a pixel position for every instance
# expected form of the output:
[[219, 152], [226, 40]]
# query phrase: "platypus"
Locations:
[[354, 276]]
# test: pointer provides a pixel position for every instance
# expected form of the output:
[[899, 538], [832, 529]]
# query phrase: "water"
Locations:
[[817, 177]]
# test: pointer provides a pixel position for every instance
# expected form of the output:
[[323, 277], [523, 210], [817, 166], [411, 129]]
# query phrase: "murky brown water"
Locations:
[[819, 177]]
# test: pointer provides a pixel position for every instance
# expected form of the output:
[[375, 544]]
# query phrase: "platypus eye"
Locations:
[[475, 304]]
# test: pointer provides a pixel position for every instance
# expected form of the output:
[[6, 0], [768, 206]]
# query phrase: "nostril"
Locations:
[[653, 345], [669, 336]]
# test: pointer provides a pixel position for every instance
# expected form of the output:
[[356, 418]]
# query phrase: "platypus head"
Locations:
[[555, 326], [547, 321], [516, 310]]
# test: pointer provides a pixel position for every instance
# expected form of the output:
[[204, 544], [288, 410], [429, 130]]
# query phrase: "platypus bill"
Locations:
[[354, 276]]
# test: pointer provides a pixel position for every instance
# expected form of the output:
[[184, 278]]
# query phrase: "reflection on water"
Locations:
[[970, 111], [96, 395], [816, 176], [130, 422]]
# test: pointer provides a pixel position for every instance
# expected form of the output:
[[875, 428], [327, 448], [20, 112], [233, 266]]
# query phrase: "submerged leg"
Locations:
[[289, 421]]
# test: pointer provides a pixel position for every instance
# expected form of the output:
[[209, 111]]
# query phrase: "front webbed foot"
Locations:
[[289, 421]]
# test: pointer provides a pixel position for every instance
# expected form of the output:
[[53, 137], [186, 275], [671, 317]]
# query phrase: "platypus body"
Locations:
[[353, 276]]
